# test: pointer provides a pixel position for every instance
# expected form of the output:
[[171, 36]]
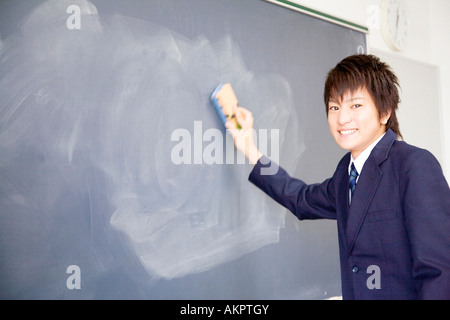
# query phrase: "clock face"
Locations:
[[395, 23]]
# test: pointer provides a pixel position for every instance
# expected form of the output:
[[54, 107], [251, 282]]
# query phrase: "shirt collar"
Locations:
[[362, 158]]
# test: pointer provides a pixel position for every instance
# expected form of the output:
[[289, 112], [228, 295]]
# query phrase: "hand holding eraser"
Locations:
[[225, 102]]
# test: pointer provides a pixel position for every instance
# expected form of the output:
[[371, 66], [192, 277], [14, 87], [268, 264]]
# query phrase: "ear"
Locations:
[[385, 117]]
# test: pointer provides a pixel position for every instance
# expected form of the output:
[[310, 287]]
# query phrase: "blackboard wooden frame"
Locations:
[[320, 15]]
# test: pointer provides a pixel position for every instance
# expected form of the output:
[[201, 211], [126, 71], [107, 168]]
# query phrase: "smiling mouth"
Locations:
[[348, 132]]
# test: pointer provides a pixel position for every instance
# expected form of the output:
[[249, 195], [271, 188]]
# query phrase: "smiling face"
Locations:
[[354, 121]]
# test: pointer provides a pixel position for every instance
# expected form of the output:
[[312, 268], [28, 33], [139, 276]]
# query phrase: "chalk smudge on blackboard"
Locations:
[[106, 99]]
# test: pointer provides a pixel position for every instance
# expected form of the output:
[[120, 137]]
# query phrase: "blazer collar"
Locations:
[[365, 189], [382, 149]]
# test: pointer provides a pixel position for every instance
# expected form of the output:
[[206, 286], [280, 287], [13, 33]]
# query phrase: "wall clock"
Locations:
[[395, 23]]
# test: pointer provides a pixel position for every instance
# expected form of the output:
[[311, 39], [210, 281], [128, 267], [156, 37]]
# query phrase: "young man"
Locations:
[[390, 199]]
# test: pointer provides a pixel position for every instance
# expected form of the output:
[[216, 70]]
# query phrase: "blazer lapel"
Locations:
[[362, 197], [342, 198]]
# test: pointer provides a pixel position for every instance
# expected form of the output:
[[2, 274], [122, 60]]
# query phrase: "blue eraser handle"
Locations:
[[216, 104]]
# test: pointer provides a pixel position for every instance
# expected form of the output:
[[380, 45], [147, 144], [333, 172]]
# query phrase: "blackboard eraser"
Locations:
[[225, 101]]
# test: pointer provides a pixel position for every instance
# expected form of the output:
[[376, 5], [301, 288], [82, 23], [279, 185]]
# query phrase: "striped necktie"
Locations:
[[352, 180]]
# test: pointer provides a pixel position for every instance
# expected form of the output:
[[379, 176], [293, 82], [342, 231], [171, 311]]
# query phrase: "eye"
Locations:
[[333, 108], [356, 106]]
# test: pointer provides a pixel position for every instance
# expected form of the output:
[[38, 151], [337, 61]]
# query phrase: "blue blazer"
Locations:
[[394, 238]]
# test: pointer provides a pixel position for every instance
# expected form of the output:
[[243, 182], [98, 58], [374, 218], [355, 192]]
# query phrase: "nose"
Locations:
[[344, 116]]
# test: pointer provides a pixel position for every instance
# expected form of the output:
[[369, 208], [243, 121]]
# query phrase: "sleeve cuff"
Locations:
[[264, 167]]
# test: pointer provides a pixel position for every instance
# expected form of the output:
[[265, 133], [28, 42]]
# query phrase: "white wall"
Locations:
[[439, 17], [428, 43]]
